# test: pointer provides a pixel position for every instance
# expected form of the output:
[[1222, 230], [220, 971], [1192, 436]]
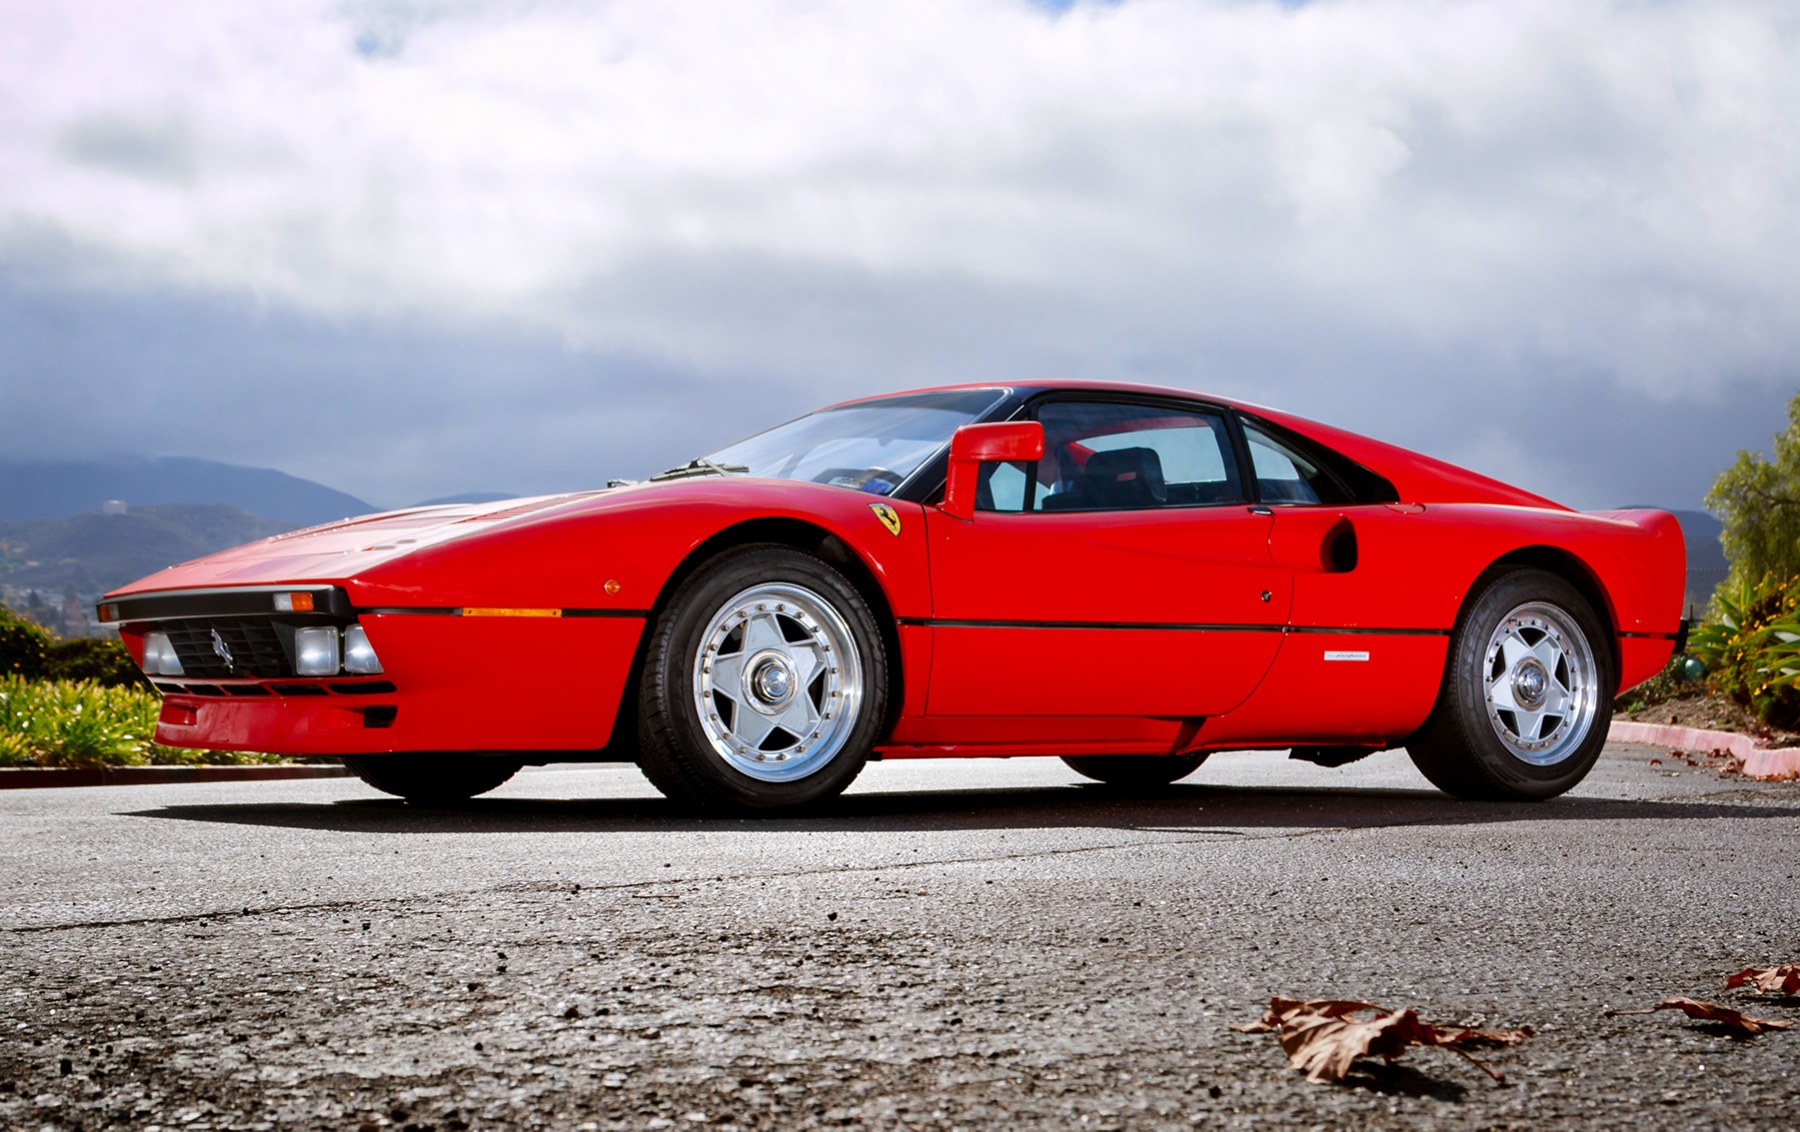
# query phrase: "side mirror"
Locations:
[[978, 444]]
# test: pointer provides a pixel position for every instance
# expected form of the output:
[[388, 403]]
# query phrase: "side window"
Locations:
[[1108, 456], [1283, 475], [1002, 487]]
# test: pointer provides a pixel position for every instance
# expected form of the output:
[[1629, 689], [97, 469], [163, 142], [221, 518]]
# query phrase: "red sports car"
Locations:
[[1125, 577]]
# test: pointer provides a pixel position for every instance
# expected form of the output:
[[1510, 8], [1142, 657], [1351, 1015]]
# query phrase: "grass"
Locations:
[[55, 723]]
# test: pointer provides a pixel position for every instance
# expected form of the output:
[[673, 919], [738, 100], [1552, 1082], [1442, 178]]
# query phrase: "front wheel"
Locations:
[[433, 779], [1527, 694], [764, 685], [1134, 770]]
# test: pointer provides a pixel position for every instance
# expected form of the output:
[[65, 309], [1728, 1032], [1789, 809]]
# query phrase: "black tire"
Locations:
[[1134, 770], [434, 779], [1527, 693], [775, 642]]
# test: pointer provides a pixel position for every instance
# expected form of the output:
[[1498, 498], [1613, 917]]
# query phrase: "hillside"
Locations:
[[47, 489], [89, 553]]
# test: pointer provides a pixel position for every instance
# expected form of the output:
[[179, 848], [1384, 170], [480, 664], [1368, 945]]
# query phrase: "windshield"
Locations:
[[870, 446]]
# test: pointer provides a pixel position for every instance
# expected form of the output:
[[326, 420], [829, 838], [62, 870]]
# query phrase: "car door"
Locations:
[[1124, 573], [1372, 603]]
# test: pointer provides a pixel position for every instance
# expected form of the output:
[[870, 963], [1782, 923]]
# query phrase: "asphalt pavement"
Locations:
[[955, 944]]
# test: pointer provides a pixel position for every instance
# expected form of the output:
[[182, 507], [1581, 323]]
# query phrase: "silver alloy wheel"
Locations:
[[777, 682], [1541, 683]]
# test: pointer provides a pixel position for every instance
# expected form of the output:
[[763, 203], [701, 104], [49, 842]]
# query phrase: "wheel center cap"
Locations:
[[1530, 683], [772, 680]]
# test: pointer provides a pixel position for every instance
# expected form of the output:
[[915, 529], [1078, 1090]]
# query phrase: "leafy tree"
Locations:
[[1758, 501]]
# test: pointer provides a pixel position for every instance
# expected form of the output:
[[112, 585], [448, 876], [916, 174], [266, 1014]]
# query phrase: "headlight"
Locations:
[[316, 651], [159, 656], [359, 654]]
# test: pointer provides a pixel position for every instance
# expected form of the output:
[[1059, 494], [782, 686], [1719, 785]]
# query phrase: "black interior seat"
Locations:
[[1122, 479]]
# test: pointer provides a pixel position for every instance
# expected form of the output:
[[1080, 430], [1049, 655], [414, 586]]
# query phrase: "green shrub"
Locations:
[[28, 649], [15, 746], [102, 660], [24, 646], [1751, 648], [83, 724], [58, 724]]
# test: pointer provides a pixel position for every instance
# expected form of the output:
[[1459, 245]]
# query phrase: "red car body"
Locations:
[[521, 626]]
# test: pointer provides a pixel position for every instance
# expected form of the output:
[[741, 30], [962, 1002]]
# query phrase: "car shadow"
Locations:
[[1224, 811]]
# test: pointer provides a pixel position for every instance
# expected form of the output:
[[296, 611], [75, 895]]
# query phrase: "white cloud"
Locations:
[[1260, 198]]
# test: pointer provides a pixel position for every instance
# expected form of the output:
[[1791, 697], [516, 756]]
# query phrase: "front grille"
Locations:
[[259, 648]]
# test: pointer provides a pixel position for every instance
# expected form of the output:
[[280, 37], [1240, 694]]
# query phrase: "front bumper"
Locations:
[[450, 682]]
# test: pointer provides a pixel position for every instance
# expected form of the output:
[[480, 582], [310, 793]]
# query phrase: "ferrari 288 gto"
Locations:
[[1125, 577]]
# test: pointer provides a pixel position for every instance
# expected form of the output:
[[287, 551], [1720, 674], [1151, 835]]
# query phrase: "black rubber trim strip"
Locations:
[[1654, 636], [236, 601], [1168, 627], [456, 611], [287, 687], [1165, 627], [1346, 631]]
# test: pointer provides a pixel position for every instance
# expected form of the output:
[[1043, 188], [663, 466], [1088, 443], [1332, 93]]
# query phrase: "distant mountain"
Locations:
[[46, 489], [93, 552]]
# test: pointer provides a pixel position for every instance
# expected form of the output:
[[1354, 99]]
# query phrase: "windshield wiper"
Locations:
[[700, 466]]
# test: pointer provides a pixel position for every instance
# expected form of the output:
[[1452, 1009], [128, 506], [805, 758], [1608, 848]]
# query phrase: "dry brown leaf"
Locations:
[[1784, 979], [1324, 1036], [1713, 1012], [1281, 1009]]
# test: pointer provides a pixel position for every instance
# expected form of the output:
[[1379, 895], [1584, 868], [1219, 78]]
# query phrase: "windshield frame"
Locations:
[[924, 478]]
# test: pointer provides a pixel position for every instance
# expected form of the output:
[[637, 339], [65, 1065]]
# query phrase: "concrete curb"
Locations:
[[27, 778], [1759, 762]]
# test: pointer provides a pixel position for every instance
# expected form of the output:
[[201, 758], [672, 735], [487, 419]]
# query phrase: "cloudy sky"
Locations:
[[412, 248]]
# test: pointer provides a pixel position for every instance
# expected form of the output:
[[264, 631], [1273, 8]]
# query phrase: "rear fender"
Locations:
[[1634, 584]]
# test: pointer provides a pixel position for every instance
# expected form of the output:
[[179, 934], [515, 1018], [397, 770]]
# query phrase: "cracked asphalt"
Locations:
[[954, 945]]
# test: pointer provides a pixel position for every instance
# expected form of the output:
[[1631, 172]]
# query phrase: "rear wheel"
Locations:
[[1134, 770], [1527, 694], [448, 776], [764, 686]]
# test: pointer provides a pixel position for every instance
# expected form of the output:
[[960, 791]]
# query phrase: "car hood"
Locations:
[[338, 551]]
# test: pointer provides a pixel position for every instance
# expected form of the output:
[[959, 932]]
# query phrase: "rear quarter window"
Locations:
[[1292, 469]]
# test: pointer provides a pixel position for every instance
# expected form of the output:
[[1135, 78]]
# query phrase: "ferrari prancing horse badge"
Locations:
[[889, 517]]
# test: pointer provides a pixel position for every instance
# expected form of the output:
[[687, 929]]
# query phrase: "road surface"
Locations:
[[953, 945]]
